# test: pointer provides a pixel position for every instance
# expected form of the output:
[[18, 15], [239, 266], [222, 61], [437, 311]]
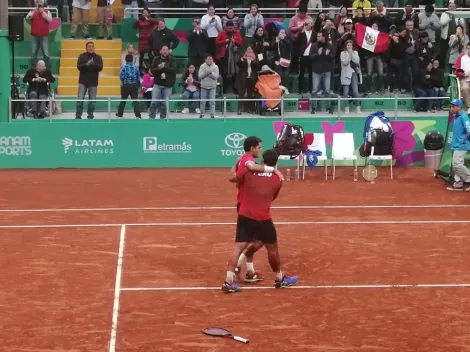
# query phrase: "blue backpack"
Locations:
[[378, 133]]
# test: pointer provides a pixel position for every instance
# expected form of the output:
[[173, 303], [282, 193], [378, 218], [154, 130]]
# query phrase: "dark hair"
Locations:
[[270, 157], [146, 9], [208, 7], [129, 58], [251, 142], [207, 56], [160, 19], [89, 43]]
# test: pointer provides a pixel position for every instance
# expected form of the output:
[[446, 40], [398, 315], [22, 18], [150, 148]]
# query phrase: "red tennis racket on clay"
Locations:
[[219, 332]]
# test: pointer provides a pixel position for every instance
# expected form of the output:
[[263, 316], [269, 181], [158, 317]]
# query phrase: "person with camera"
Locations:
[[39, 19], [38, 79]]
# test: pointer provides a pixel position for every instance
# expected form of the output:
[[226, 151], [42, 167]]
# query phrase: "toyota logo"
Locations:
[[235, 140]]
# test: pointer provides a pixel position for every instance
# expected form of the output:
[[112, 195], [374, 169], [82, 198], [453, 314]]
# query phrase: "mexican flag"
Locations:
[[371, 39]]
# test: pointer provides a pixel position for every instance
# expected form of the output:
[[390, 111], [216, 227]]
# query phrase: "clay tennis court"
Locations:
[[133, 260]]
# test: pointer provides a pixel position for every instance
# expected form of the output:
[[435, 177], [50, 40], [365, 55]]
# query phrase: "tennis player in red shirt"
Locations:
[[253, 149], [254, 223]]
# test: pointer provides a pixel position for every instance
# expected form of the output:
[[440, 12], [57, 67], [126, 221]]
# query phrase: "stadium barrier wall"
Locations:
[[176, 143]]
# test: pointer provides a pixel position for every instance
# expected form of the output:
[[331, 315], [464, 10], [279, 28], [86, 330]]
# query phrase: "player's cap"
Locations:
[[457, 102]]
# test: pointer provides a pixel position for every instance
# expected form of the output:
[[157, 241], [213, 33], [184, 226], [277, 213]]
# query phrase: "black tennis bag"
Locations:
[[378, 133], [290, 141]]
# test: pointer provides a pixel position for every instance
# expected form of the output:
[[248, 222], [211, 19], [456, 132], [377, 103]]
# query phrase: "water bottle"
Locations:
[[296, 175], [288, 175], [355, 174]]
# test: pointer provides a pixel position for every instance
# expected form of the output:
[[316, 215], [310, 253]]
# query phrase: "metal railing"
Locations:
[[268, 11], [25, 10], [337, 104]]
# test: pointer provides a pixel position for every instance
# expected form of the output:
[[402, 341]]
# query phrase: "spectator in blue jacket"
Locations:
[[460, 146], [130, 79]]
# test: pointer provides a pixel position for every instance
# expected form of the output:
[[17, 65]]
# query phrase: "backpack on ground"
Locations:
[[290, 140], [378, 133]]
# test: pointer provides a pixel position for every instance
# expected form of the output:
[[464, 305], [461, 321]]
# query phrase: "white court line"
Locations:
[[182, 224], [117, 291], [294, 207], [211, 288]]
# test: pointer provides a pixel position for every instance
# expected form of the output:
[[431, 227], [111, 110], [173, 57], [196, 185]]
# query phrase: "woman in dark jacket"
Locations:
[[145, 24], [426, 89], [248, 67], [260, 45], [282, 50]]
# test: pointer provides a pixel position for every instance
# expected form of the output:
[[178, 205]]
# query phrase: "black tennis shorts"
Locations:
[[249, 230]]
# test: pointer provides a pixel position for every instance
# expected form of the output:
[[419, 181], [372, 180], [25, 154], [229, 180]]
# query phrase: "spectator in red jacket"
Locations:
[[146, 25], [227, 43], [40, 18]]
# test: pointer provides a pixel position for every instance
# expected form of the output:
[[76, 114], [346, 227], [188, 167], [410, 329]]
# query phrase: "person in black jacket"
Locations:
[[438, 84], [197, 44], [411, 62], [162, 36], [408, 14], [260, 45], [305, 40], [38, 79], [425, 50], [395, 55], [163, 71], [322, 55], [282, 50], [426, 83], [90, 65]]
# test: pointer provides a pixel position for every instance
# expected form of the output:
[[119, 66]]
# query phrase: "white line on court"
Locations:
[[211, 288], [182, 224], [293, 207], [117, 291]]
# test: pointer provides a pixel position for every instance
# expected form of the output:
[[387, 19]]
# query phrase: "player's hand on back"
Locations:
[[279, 174]]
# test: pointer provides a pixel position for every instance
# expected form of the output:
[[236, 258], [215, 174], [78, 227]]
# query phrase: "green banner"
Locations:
[[175, 143]]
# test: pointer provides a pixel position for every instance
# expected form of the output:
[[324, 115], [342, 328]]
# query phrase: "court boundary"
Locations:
[[299, 287], [292, 207], [182, 224]]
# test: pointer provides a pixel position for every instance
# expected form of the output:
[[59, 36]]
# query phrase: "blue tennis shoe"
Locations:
[[231, 288], [286, 282]]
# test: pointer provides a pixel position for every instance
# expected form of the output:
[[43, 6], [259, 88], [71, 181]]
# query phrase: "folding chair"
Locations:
[[343, 149], [297, 159], [381, 158], [317, 144]]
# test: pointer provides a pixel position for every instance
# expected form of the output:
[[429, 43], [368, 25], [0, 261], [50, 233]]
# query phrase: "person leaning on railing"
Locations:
[[130, 79]]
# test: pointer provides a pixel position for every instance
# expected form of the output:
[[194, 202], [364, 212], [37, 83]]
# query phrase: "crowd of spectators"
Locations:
[[320, 48]]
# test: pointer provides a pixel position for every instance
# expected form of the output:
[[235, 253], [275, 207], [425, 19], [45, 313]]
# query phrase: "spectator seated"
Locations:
[[38, 82]]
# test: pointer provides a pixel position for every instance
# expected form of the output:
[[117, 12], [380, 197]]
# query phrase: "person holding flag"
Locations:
[[460, 146]]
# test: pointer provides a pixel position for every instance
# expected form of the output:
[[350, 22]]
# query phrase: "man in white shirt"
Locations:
[[305, 40], [462, 66], [448, 24], [80, 15]]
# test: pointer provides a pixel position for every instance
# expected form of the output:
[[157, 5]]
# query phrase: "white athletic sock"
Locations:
[[229, 278], [279, 276], [250, 267], [241, 259]]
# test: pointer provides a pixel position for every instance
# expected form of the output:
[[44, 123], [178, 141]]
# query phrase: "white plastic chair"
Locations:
[[318, 144], [343, 149], [297, 159], [381, 158]]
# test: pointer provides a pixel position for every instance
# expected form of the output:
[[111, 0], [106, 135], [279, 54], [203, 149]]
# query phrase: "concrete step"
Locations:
[[73, 71], [99, 44], [104, 53]]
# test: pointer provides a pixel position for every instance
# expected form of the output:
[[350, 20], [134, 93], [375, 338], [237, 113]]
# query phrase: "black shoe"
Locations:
[[117, 115], [110, 38], [87, 37], [99, 38], [78, 117], [313, 111], [90, 117]]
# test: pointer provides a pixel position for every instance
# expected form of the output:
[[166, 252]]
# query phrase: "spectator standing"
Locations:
[[132, 7], [212, 24], [80, 16], [208, 76], [359, 17], [260, 45], [364, 4], [457, 44], [90, 65], [462, 66], [408, 14], [130, 50], [296, 26], [197, 44], [425, 49], [396, 56], [164, 74], [340, 20], [425, 89], [380, 16], [252, 22], [130, 83], [449, 25], [145, 24], [230, 16], [429, 22], [160, 37], [38, 79], [192, 89], [282, 56], [375, 64], [322, 55], [147, 86], [306, 39], [104, 12], [350, 74], [438, 84], [228, 41], [248, 67], [411, 62], [40, 19]]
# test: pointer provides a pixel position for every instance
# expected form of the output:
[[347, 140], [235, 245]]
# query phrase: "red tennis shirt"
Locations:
[[240, 170]]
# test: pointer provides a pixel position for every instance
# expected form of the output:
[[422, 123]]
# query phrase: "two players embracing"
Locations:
[[258, 186]]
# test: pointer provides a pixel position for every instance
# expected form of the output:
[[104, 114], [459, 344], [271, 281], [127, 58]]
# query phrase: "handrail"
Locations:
[[270, 11], [53, 10]]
